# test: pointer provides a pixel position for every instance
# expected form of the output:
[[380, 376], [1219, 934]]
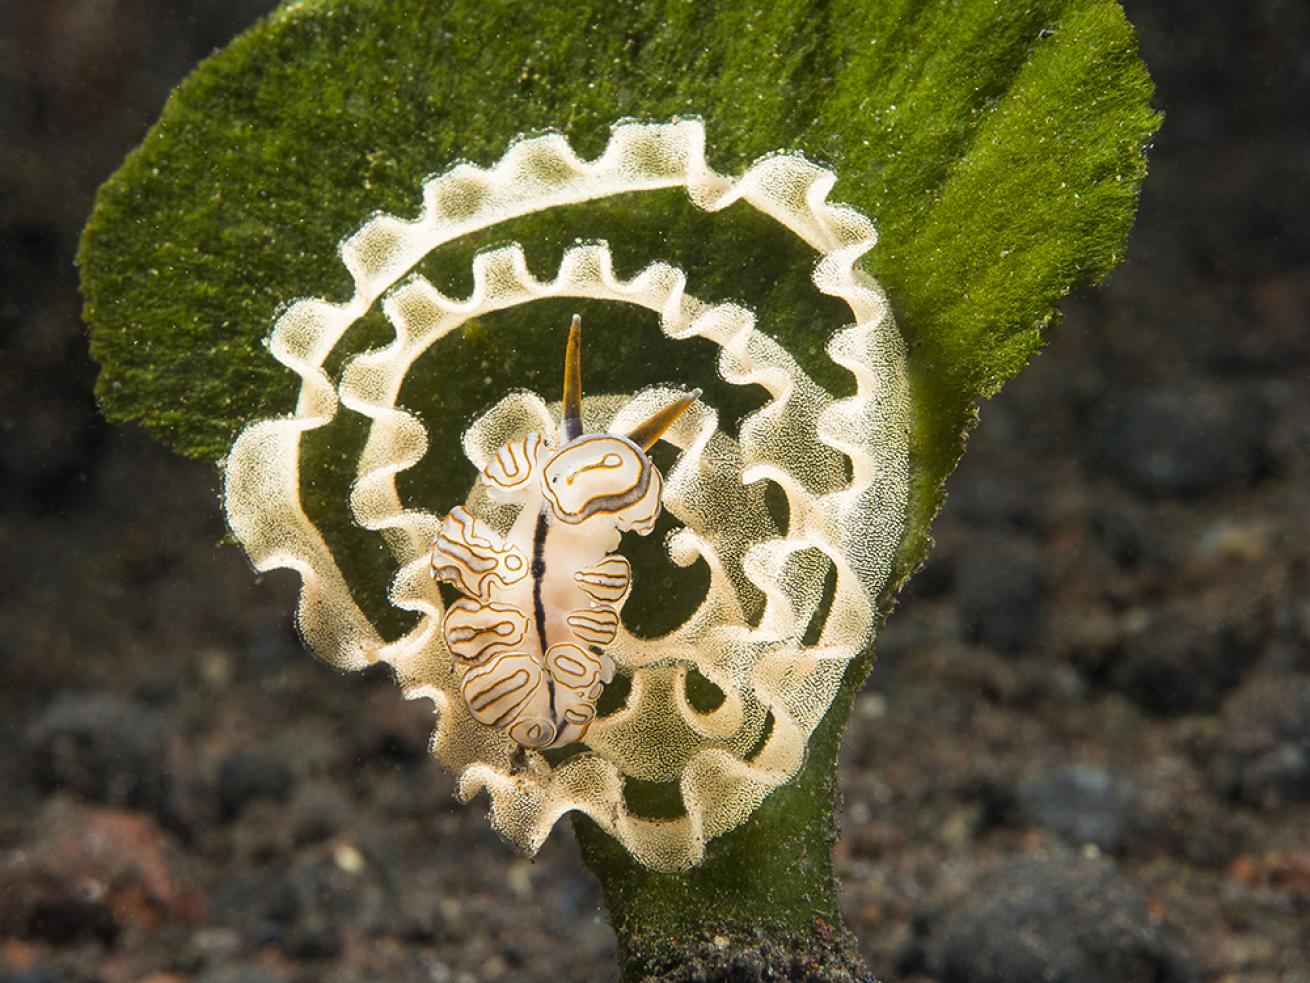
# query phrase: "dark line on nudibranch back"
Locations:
[[539, 573], [538, 607]]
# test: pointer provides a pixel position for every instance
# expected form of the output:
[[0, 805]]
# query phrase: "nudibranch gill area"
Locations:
[[540, 604], [789, 600]]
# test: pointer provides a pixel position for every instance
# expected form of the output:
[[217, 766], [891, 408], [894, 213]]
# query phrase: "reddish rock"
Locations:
[[93, 873]]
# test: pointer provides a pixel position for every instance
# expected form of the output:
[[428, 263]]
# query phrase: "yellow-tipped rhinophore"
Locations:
[[571, 423], [653, 427]]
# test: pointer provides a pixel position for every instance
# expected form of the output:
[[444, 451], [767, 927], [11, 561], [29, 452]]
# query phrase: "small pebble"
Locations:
[[1264, 759], [1183, 442], [101, 747], [998, 590], [1169, 663], [243, 778], [1082, 804], [1061, 918]]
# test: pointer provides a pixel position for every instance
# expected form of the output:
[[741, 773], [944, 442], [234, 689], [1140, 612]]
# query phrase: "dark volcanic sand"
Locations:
[[1084, 755]]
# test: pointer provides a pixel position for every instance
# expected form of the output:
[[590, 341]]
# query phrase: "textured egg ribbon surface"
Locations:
[[841, 463]]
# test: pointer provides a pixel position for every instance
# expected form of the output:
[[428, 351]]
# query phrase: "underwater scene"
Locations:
[[671, 492]]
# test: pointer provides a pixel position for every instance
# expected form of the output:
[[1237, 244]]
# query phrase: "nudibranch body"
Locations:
[[540, 603]]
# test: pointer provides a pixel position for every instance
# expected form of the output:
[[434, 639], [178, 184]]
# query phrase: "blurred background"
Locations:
[[1084, 754]]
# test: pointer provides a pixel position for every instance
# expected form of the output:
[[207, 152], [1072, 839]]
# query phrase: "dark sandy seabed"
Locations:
[[1083, 756]]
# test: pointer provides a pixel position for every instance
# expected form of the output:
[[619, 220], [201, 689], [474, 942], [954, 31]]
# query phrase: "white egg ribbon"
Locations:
[[843, 465]]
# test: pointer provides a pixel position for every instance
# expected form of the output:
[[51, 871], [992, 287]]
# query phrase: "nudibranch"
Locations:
[[540, 604]]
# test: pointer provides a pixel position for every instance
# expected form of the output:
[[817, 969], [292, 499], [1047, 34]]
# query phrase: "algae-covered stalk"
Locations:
[[711, 252]]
